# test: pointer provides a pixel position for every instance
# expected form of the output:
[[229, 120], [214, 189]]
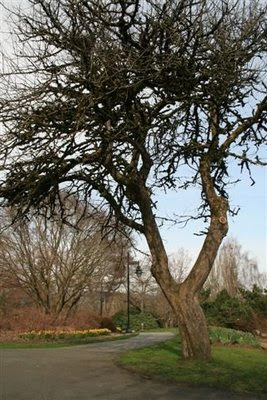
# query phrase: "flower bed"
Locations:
[[50, 335]]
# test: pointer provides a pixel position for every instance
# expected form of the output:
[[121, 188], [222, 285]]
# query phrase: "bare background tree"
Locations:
[[147, 296], [143, 287], [234, 269], [109, 276], [57, 265], [118, 98]]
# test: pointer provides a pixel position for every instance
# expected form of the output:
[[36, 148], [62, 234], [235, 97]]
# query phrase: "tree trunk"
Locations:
[[192, 327], [183, 297]]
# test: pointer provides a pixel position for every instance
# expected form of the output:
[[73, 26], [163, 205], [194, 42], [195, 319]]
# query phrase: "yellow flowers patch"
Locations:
[[66, 335]]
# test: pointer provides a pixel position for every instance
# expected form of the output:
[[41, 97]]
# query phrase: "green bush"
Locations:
[[257, 299], [227, 311], [232, 336], [138, 321]]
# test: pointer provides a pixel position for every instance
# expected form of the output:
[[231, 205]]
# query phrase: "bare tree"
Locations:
[[224, 274], [234, 269], [115, 97], [143, 285], [179, 264], [249, 274], [55, 264], [145, 293], [109, 275]]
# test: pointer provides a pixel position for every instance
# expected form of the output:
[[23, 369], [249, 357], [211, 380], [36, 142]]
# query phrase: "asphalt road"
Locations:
[[89, 372]]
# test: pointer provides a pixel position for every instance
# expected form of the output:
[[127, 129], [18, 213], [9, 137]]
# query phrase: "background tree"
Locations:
[[145, 295], [143, 287], [249, 274], [234, 269], [224, 274], [179, 265], [122, 97], [55, 264], [109, 276]]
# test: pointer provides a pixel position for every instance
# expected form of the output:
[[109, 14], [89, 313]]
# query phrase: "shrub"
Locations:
[[26, 319], [227, 311], [108, 324], [257, 299], [232, 336], [138, 321], [31, 318]]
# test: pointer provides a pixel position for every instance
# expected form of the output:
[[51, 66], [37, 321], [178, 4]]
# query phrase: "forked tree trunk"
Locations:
[[183, 297]]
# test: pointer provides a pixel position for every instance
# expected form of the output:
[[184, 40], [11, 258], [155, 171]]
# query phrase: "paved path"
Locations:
[[89, 372]]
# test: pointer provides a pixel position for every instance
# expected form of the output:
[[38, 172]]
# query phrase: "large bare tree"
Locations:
[[55, 264], [119, 98]]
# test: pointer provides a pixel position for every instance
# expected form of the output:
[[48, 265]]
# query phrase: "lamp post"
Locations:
[[138, 272]]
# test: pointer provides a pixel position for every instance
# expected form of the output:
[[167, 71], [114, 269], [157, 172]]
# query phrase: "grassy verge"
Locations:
[[172, 330], [62, 343], [235, 368]]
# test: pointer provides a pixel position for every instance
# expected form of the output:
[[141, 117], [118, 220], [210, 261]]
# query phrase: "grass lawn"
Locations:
[[235, 368], [61, 343], [172, 330]]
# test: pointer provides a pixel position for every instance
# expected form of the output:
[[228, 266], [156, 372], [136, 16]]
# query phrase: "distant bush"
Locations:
[[247, 312], [257, 299], [138, 321], [232, 336], [227, 311], [108, 324], [30, 318]]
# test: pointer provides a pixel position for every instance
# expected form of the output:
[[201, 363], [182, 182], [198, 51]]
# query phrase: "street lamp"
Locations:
[[138, 273]]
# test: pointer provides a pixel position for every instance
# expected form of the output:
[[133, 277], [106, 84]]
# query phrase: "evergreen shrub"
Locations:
[[138, 320]]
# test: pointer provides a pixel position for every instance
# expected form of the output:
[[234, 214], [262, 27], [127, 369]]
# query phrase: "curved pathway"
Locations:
[[89, 372]]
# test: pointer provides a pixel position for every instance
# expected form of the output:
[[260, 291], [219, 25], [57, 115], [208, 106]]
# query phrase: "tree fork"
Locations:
[[183, 297]]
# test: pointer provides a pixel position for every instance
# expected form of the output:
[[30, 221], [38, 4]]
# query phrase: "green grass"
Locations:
[[171, 330], [238, 369], [62, 343]]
